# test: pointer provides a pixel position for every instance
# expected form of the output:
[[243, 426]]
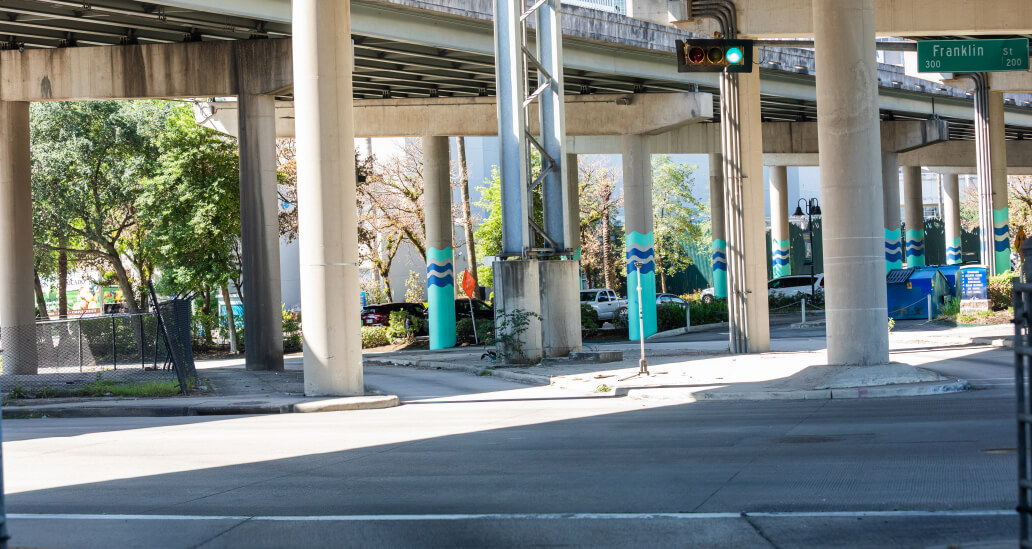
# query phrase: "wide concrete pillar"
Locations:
[[1001, 212], [851, 181], [719, 247], [779, 235], [560, 307], [17, 301], [259, 233], [951, 218], [639, 238], [440, 274], [517, 291], [327, 216], [913, 207], [890, 203]]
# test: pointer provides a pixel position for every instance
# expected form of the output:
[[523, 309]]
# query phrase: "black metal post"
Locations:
[[114, 346], [3, 509]]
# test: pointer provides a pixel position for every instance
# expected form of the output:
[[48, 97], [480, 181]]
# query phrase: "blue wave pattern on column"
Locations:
[[719, 269], [1001, 237], [893, 250], [915, 248], [780, 257], [439, 273], [953, 252], [642, 253]]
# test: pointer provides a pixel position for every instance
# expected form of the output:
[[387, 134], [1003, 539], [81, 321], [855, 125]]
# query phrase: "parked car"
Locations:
[[785, 286], [606, 302], [481, 309], [667, 299], [380, 315], [794, 285]]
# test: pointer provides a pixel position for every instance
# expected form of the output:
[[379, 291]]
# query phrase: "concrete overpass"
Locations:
[[443, 50]]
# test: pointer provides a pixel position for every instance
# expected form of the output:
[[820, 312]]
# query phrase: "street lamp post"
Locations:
[[813, 209]]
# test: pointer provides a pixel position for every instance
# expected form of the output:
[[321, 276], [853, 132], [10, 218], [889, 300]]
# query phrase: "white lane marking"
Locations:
[[527, 516]]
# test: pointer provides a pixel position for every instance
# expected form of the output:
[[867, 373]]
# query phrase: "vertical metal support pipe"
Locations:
[[513, 165], [555, 193], [114, 345], [984, 161]]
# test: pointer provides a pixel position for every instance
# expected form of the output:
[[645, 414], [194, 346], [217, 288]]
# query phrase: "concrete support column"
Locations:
[[440, 274], [640, 241], [327, 216], [849, 138], [913, 205], [259, 233], [779, 235], [17, 307], [716, 186], [890, 201], [1001, 212], [951, 217]]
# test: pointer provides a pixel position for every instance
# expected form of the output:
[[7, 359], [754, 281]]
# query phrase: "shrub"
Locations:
[[950, 308], [708, 313], [1000, 288], [508, 339], [291, 332], [374, 336], [670, 316], [464, 330], [404, 327], [588, 317]]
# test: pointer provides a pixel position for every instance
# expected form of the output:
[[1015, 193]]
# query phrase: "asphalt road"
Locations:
[[478, 462]]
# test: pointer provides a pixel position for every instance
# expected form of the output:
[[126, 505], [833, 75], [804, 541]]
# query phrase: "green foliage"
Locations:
[[375, 294], [464, 330], [588, 317], [291, 331], [675, 212], [508, 338], [892, 324], [603, 388], [488, 235], [374, 336], [404, 327], [415, 287], [708, 313], [101, 387], [1000, 288], [950, 308], [204, 327], [670, 316]]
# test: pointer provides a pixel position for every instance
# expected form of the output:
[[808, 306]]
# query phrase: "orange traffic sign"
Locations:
[[468, 284]]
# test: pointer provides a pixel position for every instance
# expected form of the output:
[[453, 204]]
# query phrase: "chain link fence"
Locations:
[[61, 356]]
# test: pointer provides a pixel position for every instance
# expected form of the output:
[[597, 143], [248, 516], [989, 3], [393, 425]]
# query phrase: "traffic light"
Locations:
[[714, 55]]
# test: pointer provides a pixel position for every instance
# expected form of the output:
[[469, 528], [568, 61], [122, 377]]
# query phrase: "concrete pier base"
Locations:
[[781, 254], [560, 307], [517, 296], [890, 200], [440, 272]]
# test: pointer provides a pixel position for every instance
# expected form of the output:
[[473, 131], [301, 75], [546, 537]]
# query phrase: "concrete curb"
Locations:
[[681, 331], [253, 407], [813, 324], [876, 391]]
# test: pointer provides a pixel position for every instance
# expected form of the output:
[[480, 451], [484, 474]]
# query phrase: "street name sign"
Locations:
[[988, 55]]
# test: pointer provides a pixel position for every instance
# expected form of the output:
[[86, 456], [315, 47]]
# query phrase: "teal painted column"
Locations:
[[440, 274], [719, 247], [639, 240], [951, 218], [780, 242], [890, 199], [913, 198], [1001, 238]]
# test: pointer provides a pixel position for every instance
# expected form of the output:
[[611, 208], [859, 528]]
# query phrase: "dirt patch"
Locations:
[[979, 319]]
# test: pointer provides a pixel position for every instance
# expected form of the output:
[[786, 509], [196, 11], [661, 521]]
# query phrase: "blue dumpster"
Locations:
[[908, 291], [950, 272]]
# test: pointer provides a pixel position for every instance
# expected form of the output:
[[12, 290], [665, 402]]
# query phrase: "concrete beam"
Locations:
[[793, 18], [154, 71], [961, 154], [639, 114], [1005, 82]]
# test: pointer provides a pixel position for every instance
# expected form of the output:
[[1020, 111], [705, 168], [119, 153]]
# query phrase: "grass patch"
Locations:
[[104, 387], [603, 388]]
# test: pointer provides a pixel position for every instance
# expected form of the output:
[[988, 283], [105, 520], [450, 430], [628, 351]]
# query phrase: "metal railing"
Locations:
[[1022, 296], [612, 6]]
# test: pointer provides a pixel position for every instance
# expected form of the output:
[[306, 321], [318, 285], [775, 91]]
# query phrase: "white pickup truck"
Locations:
[[606, 302]]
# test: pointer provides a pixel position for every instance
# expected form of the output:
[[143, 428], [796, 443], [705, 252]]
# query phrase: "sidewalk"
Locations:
[[704, 370], [681, 371]]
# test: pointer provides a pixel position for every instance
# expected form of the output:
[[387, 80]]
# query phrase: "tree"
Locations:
[[89, 162], [396, 192], [489, 233], [600, 228], [675, 210], [467, 218], [190, 209]]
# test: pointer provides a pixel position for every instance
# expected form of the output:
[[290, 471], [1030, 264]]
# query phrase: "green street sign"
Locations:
[[972, 55]]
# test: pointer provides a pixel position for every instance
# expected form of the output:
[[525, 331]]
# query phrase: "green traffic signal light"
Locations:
[[734, 55]]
